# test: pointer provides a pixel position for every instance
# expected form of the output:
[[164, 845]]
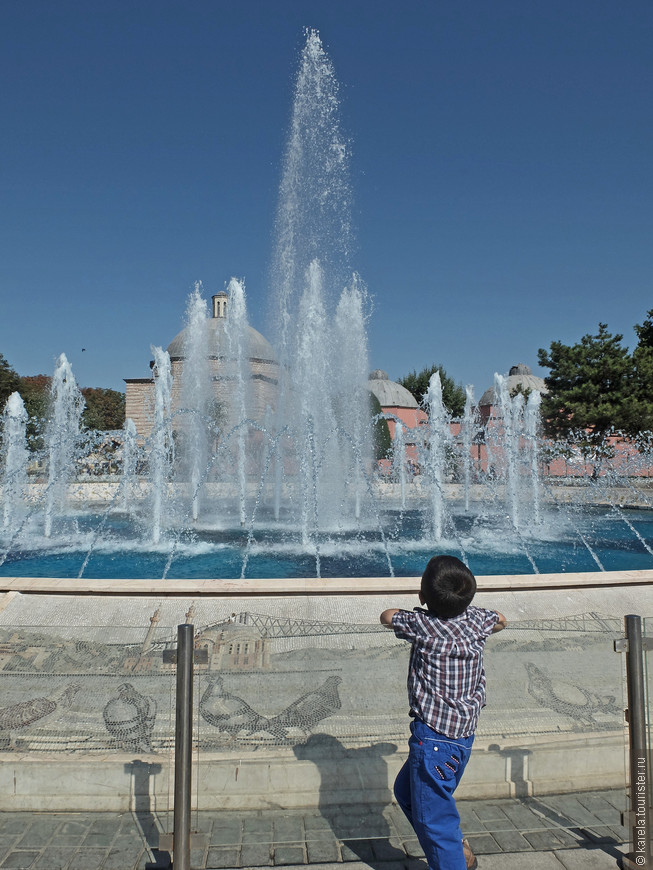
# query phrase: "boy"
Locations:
[[446, 690]]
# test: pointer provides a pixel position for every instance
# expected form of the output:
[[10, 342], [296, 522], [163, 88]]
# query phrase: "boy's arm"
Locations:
[[501, 623], [386, 616]]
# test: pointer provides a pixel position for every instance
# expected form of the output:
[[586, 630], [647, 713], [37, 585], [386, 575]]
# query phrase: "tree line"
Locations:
[[104, 408]]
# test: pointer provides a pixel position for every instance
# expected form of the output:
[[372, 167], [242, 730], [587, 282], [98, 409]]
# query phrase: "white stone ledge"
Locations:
[[312, 586]]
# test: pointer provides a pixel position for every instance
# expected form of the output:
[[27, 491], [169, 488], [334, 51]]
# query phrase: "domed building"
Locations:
[[401, 406], [261, 387], [520, 377], [396, 401]]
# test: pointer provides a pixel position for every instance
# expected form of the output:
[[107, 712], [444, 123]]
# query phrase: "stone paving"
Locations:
[[574, 831]]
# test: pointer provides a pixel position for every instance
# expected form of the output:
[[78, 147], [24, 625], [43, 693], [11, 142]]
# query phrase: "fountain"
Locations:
[[62, 435], [435, 452], [399, 461], [233, 481], [160, 455], [14, 483], [196, 389], [469, 428]]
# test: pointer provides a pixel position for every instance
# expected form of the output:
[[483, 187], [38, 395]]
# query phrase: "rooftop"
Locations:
[[389, 393]]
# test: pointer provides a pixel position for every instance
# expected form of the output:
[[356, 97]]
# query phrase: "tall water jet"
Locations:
[[468, 430], [353, 401], [436, 451], [313, 216], [510, 419], [515, 458], [531, 424], [311, 267], [162, 443], [399, 461], [129, 462], [196, 393], [15, 455], [237, 332], [61, 437], [311, 386]]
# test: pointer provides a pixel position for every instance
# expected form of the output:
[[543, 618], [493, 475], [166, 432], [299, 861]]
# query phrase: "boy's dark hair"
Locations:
[[448, 586]]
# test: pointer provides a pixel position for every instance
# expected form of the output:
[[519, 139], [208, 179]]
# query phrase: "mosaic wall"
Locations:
[[274, 677]]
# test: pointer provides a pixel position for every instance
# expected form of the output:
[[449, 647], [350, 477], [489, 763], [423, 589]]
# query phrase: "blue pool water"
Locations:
[[586, 541]]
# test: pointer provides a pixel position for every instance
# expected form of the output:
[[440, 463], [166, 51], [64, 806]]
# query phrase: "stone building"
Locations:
[[261, 389]]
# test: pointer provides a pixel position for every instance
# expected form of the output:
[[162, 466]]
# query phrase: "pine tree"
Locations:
[[453, 394], [592, 388], [643, 362]]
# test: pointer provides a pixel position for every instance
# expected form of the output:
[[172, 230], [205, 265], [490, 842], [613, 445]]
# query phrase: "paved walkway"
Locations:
[[575, 832]]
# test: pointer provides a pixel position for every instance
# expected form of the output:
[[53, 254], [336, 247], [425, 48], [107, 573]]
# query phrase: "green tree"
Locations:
[[380, 430], [643, 362], [521, 390], [9, 381], [591, 388], [453, 394], [105, 409], [35, 390]]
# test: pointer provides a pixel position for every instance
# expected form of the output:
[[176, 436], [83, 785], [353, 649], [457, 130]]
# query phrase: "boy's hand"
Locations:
[[386, 616], [501, 623]]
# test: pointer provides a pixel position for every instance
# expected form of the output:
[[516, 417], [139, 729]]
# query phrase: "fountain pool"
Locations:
[[569, 540]]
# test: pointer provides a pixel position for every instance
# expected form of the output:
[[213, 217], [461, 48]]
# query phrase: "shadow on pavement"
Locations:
[[140, 773], [362, 829]]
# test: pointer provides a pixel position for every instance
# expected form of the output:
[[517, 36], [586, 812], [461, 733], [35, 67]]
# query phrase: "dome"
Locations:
[[259, 348], [389, 393], [520, 375]]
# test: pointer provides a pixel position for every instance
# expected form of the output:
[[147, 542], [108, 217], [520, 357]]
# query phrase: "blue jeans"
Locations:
[[424, 790]]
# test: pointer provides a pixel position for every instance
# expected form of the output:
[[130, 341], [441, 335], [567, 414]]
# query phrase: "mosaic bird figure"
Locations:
[[229, 712], [308, 710], [568, 698], [24, 713], [130, 719]]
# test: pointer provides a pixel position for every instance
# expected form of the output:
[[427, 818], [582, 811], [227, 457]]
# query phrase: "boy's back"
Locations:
[[446, 680]]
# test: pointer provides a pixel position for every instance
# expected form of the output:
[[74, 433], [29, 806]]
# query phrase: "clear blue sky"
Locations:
[[501, 170]]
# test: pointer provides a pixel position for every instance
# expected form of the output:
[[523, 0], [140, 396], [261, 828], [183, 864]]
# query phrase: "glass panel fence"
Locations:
[[87, 736], [300, 726], [303, 727]]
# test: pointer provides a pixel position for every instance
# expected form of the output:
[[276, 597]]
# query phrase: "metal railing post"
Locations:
[[183, 746], [639, 758]]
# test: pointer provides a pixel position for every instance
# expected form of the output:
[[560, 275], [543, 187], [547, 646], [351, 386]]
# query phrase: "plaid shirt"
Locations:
[[446, 680]]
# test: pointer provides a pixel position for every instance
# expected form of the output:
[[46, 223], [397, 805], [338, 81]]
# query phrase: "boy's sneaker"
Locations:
[[470, 857]]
